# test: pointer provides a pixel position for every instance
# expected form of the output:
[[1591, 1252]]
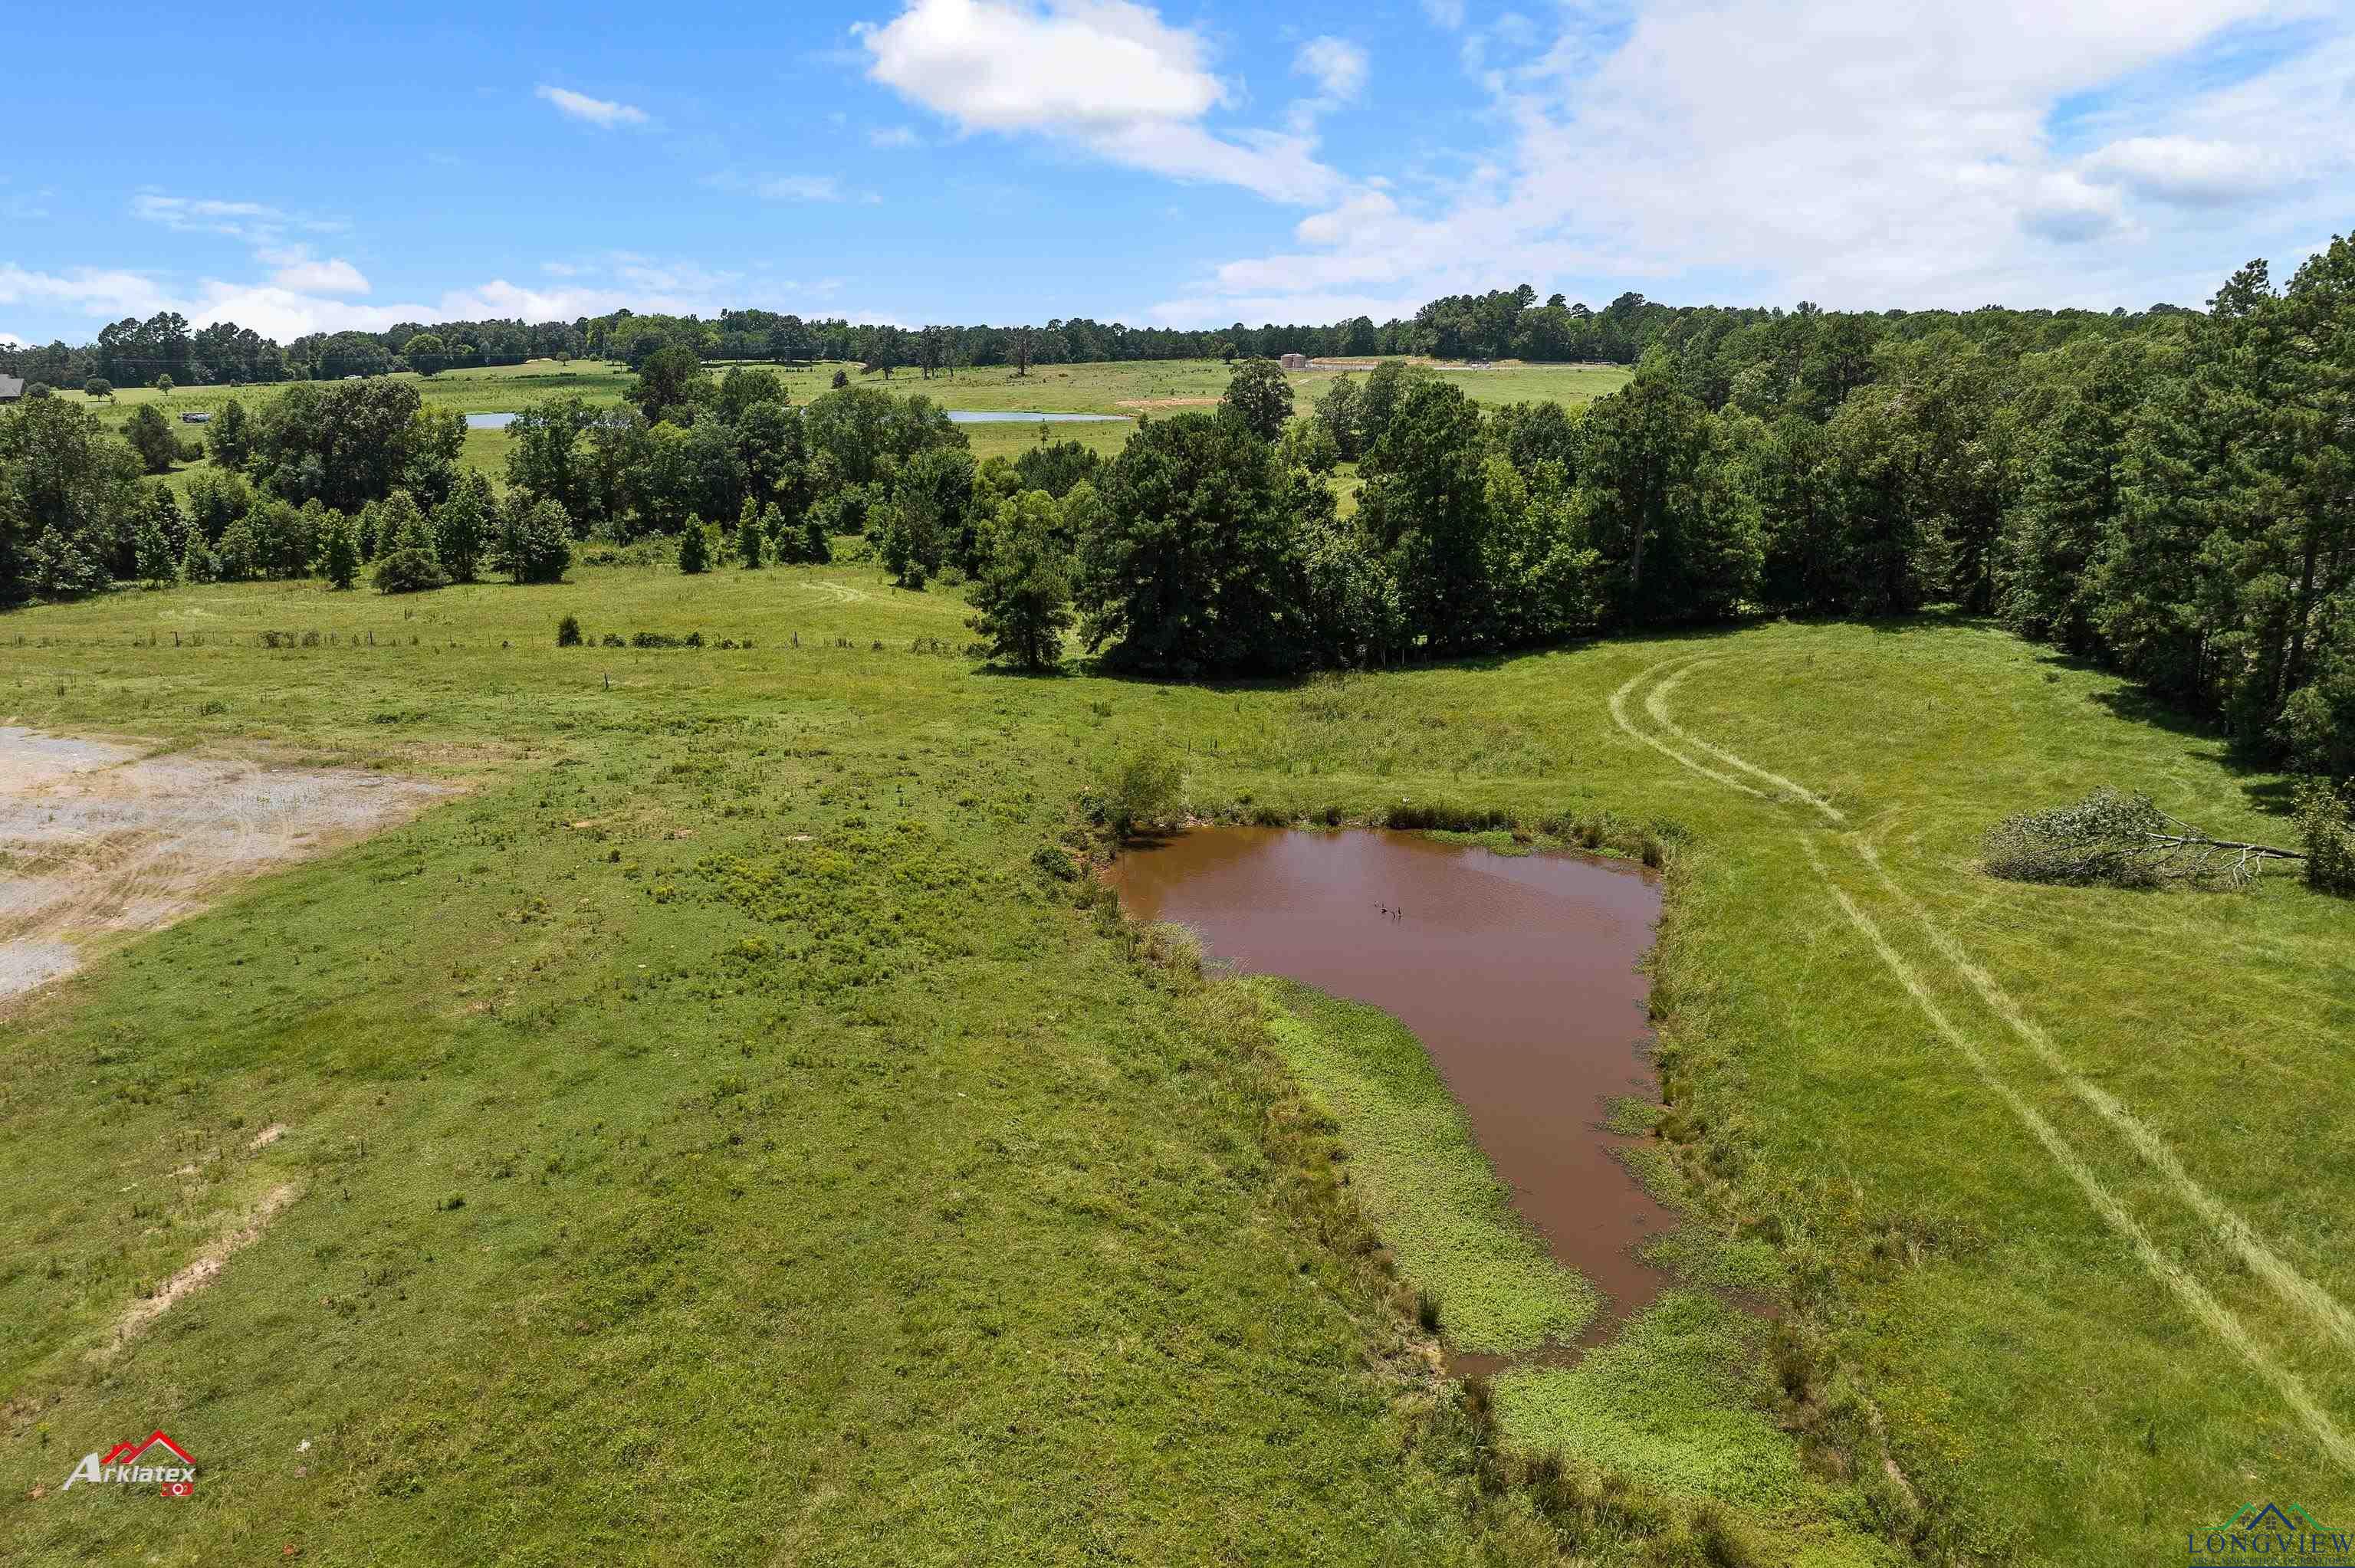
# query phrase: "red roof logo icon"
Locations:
[[128, 1453]]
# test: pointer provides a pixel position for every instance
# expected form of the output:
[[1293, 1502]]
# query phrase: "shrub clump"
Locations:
[[1141, 788], [1445, 819], [568, 633], [1052, 863], [409, 571], [2328, 827]]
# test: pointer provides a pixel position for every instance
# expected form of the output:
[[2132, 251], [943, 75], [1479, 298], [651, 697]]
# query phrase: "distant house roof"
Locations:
[[11, 389]]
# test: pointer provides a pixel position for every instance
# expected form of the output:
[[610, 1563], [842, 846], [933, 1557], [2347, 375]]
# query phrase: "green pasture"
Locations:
[[1128, 388], [723, 1134]]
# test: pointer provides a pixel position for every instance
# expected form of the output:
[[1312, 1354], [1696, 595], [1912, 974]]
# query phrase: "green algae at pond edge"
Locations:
[[1677, 1400], [1423, 1180]]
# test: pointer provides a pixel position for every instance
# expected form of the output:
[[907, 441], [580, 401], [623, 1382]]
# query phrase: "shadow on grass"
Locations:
[[1017, 672], [2264, 787]]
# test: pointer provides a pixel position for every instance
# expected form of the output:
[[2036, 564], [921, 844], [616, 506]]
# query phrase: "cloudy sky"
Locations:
[[314, 168]]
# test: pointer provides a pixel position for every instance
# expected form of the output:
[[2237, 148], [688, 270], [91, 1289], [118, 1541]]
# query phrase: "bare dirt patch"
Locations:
[[200, 1273], [101, 838]]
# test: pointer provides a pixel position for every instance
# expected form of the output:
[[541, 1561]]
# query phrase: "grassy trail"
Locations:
[[2017, 1061], [2297, 1292]]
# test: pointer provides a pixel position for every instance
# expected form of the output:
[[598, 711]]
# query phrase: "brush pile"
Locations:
[[2117, 839]]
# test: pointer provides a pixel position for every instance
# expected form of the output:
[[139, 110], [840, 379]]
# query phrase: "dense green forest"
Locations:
[[2171, 494], [1505, 324]]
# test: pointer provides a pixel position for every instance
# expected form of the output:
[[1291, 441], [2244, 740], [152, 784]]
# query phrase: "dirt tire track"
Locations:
[[1619, 716], [2294, 1289], [2219, 1319], [199, 1272]]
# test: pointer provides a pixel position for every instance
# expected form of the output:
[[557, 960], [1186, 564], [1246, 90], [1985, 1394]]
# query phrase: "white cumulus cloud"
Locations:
[[306, 275], [107, 292], [2189, 171], [277, 310], [1338, 67], [1864, 153], [1106, 75]]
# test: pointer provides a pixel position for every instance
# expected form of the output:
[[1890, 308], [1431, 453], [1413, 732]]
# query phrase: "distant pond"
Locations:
[[1015, 416], [956, 417]]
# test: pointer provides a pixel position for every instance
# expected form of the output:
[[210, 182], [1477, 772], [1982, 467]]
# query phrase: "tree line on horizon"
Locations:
[[1502, 323], [2175, 501]]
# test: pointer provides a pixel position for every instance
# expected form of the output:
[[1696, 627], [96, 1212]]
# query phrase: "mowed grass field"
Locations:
[[1128, 388], [715, 1137]]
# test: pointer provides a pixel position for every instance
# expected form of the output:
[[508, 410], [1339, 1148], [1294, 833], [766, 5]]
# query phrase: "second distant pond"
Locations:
[[956, 417], [1016, 417]]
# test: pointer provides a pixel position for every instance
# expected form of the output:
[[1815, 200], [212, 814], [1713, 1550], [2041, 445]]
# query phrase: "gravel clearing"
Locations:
[[98, 839]]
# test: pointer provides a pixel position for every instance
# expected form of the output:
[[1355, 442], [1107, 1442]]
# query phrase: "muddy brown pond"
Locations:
[[1517, 972]]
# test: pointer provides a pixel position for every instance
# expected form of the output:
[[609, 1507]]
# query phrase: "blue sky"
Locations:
[[314, 168]]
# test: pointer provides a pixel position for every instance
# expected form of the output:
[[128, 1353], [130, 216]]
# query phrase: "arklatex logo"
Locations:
[[139, 1463]]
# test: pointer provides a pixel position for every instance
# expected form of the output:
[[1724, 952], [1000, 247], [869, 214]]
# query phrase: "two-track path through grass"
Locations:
[[2305, 1298]]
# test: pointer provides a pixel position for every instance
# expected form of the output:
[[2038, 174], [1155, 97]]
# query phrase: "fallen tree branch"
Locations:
[[2120, 840], [2196, 838]]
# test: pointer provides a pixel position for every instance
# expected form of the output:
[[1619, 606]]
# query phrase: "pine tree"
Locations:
[[409, 556], [462, 527], [748, 537], [231, 438], [535, 540], [237, 558], [694, 549], [401, 526], [1657, 498], [2073, 496], [1427, 503]]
